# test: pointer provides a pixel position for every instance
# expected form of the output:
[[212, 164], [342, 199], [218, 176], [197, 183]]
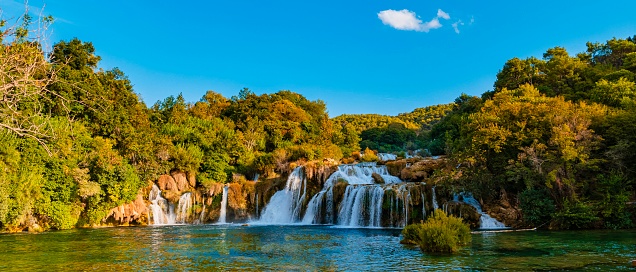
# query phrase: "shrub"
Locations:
[[410, 234], [440, 233], [369, 156], [614, 191], [575, 215], [537, 206]]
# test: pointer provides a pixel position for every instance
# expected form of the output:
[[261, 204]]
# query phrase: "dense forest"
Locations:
[[77, 141], [555, 137], [402, 133]]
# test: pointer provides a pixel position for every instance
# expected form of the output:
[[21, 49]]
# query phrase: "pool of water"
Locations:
[[233, 247]]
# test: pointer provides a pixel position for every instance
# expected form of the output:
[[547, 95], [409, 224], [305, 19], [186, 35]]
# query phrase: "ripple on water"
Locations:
[[254, 248]]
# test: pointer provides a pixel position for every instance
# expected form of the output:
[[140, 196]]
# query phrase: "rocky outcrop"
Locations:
[[507, 214], [377, 178], [464, 211], [133, 213], [415, 169]]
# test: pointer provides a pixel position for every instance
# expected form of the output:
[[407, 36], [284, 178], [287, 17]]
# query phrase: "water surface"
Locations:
[[232, 247]]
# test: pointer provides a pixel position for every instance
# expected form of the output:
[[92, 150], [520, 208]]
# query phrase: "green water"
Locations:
[[209, 247]]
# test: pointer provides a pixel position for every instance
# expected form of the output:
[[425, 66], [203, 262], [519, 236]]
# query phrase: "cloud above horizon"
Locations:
[[408, 20], [456, 25]]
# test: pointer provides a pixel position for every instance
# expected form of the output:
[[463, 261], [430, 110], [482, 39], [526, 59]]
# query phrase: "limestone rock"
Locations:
[[180, 180], [192, 180], [377, 178], [133, 213], [166, 182], [35, 228]]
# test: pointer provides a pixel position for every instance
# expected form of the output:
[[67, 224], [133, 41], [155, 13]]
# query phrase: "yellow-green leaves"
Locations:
[[620, 93]]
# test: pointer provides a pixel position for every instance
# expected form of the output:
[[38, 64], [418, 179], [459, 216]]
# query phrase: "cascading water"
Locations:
[[406, 197], [435, 205], [162, 210], [257, 210], [387, 157], [285, 206], [485, 221], [423, 205], [185, 205], [223, 215], [361, 205], [202, 215]]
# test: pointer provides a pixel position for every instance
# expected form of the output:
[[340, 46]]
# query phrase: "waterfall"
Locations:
[[285, 206], [361, 205], [162, 210], [423, 201], [387, 157], [406, 200], [223, 215], [202, 215], [485, 221], [185, 205], [435, 205], [257, 211]]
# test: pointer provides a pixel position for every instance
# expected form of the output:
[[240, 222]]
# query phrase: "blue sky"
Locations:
[[372, 56]]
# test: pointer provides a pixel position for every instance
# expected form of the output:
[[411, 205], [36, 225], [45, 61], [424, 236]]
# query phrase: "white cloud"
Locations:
[[456, 25], [408, 20], [472, 20], [442, 14], [400, 19]]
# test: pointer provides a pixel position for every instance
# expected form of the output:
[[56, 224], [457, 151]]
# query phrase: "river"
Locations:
[[235, 247]]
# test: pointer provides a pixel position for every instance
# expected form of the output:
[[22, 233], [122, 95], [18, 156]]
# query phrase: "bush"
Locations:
[[537, 206], [440, 233], [614, 191], [369, 156], [410, 234], [575, 215]]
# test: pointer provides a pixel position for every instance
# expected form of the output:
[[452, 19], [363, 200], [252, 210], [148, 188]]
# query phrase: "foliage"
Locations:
[[614, 195], [439, 233], [536, 206], [557, 133], [395, 137], [388, 133], [369, 156], [575, 214]]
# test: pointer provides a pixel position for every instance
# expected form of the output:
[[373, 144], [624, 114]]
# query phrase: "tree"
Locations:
[[25, 77]]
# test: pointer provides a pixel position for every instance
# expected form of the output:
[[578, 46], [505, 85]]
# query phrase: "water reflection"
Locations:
[[232, 247]]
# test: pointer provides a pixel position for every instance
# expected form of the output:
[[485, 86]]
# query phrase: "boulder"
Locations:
[[192, 180], [510, 216], [166, 182], [35, 228], [377, 178], [465, 211], [180, 180]]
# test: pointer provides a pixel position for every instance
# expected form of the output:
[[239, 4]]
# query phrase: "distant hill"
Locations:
[[420, 118]]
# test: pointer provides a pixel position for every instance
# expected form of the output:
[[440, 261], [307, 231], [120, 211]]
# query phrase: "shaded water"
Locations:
[[231, 247]]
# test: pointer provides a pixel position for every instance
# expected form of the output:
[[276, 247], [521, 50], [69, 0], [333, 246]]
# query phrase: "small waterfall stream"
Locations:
[[185, 206], [223, 213], [162, 210], [387, 157], [285, 206], [435, 205], [485, 221]]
